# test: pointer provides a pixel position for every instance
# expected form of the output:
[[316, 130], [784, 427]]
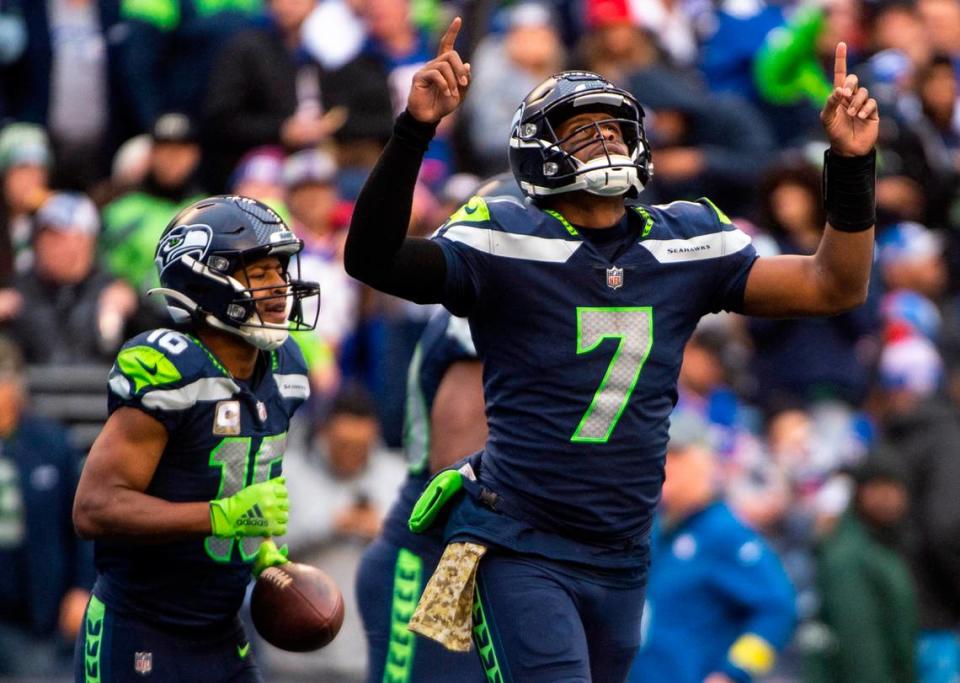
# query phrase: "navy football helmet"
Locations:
[[537, 158], [207, 244]]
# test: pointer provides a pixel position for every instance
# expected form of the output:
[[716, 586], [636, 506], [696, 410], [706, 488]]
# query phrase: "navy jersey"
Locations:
[[446, 340], [581, 353], [223, 436]]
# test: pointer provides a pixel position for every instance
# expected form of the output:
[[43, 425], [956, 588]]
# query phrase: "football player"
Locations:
[[580, 301], [183, 486], [444, 421]]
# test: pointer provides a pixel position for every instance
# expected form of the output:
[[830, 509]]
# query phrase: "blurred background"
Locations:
[[836, 439]]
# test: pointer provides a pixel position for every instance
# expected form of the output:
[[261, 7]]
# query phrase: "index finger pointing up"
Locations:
[[839, 65], [450, 37]]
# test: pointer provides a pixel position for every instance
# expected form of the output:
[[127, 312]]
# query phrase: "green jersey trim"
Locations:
[[474, 211], [147, 367], [93, 625]]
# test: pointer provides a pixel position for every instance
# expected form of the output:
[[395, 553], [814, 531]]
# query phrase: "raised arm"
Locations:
[[834, 279], [378, 252]]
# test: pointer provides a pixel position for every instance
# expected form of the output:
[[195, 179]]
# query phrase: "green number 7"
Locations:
[[633, 326]]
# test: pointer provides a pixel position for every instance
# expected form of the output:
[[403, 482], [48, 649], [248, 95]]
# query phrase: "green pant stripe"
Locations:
[[92, 638], [484, 642], [407, 579]]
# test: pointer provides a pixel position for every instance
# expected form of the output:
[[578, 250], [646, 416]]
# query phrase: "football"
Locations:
[[296, 607]]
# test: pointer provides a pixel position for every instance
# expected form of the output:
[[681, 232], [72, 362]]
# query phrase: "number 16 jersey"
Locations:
[[222, 435], [581, 349]]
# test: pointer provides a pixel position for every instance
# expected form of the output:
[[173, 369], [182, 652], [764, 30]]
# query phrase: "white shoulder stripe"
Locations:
[[698, 248], [293, 386], [206, 389], [459, 330], [510, 245]]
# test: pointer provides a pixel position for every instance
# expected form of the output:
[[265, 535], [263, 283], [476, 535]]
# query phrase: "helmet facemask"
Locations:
[[543, 162], [244, 311], [241, 311], [609, 173]]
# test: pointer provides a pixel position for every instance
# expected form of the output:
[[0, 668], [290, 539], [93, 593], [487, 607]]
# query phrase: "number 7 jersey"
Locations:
[[581, 352], [223, 435]]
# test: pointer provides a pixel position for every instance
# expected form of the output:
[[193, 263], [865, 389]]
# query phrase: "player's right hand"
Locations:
[[258, 510], [440, 85]]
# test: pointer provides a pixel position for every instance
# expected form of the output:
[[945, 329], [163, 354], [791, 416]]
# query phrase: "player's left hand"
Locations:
[[850, 116], [269, 555]]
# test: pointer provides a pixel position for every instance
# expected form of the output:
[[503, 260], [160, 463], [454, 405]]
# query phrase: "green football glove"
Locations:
[[258, 510], [269, 555]]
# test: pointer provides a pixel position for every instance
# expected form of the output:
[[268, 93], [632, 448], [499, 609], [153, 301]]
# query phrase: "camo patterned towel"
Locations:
[[445, 608]]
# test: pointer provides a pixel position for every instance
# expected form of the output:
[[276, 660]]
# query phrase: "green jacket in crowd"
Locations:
[[869, 609], [132, 226]]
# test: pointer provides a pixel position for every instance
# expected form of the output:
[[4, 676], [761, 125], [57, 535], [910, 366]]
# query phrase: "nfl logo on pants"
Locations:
[[143, 662]]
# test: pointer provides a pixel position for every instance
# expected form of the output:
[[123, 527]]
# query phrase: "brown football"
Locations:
[[296, 607]]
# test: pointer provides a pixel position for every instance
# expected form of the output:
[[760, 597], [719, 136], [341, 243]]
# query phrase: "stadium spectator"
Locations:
[[259, 174], [24, 167], [167, 51], [505, 68], [910, 256], [672, 24], [941, 20], [706, 145], [45, 571], [613, 45], [789, 66], [784, 368], [923, 430], [938, 126], [67, 81], [72, 312], [340, 489], [132, 223], [401, 47], [868, 604], [317, 213], [719, 605], [266, 90]]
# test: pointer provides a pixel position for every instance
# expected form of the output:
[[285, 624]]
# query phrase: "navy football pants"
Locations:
[[389, 583], [116, 649], [536, 621]]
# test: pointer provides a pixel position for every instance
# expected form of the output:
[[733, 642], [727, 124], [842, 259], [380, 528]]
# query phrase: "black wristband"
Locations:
[[414, 133], [849, 191]]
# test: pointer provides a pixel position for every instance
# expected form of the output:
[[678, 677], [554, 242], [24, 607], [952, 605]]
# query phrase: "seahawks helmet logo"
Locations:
[[184, 239]]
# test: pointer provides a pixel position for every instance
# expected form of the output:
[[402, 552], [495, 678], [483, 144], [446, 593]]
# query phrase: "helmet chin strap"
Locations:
[[603, 177], [265, 338]]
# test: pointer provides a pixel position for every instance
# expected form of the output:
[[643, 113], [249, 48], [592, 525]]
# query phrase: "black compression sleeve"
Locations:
[[378, 252]]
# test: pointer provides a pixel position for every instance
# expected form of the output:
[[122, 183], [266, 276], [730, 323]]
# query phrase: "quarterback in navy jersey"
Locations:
[[443, 422], [580, 300], [183, 487]]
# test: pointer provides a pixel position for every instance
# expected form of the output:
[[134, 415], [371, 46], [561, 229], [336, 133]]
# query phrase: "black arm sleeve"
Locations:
[[378, 252]]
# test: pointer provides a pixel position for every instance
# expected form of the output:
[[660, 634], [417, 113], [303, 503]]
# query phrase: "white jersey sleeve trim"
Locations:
[[206, 389], [511, 245], [699, 248]]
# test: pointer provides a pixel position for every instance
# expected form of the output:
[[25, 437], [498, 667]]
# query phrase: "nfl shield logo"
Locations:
[[614, 277], [143, 662], [262, 411]]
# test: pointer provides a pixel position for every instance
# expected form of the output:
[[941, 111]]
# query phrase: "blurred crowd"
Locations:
[[837, 439]]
